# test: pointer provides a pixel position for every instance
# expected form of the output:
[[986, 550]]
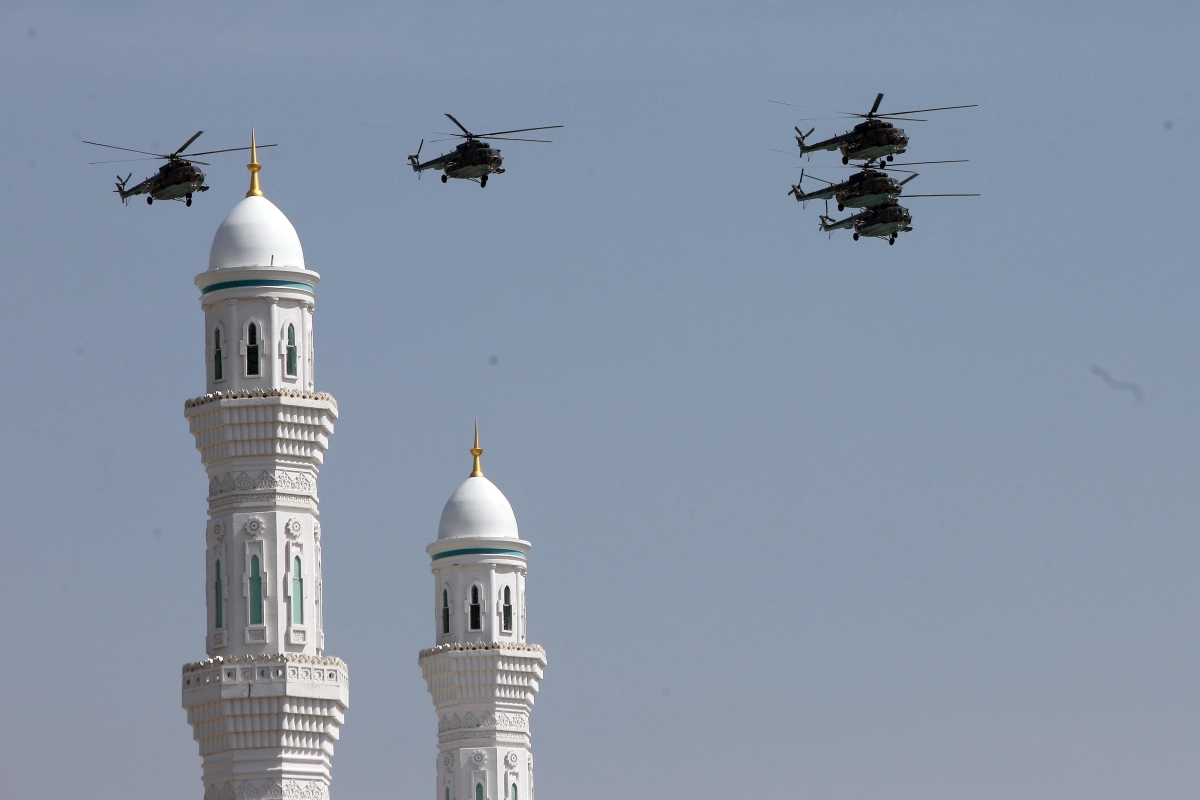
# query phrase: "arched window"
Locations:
[[252, 346], [479, 791], [291, 350], [476, 611], [447, 793], [297, 593], [507, 616], [446, 614], [218, 366], [514, 792], [218, 601], [256, 596]]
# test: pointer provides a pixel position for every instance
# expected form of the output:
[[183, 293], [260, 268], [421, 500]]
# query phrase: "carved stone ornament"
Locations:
[[293, 528], [254, 527], [448, 760], [317, 532], [479, 757], [219, 532], [267, 790], [510, 760]]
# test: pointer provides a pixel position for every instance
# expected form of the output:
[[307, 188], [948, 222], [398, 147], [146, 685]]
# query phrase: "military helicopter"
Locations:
[[472, 158], [869, 187], [871, 139], [178, 179], [883, 221]]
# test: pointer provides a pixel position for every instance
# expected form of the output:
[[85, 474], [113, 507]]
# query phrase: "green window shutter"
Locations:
[[217, 373], [252, 365], [514, 792], [297, 594], [445, 614], [218, 601], [479, 791], [291, 350], [507, 610], [256, 596]]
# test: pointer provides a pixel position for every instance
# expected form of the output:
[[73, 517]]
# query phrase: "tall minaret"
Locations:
[[482, 674], [267, 704]]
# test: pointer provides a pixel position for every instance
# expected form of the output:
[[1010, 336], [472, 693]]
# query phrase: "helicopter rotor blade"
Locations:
[[874, 108], [459, 124], [229, 150], [518, 130], [123, 160], [127, 149], [188, 142], [915, 163], [923, 110], [975, 194], [515, 139], [909, 178]]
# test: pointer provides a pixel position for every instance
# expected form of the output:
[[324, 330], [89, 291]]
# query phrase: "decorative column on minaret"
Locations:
[[482, 674], [267, 704]]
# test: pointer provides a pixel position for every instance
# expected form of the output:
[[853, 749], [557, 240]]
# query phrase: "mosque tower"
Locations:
[[267, 704], [482, 674]]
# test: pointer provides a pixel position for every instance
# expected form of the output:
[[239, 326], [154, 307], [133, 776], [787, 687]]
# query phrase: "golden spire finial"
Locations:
[[477, 451], [254, 167]]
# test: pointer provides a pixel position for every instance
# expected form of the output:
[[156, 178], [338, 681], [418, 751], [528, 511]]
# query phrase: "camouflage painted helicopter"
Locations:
[[869, 187], [883, 221], [178, 179], [873, 138], [472, 159]]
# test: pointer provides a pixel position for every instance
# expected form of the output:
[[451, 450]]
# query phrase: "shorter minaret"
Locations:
[[482, 674]]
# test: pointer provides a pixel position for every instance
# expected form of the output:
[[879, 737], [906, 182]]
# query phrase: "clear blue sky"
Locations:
[[811, 518]]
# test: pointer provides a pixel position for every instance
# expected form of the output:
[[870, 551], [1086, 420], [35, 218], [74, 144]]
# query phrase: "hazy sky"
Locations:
[[811, 518]]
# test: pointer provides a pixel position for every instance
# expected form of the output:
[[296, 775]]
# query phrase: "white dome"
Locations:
[[256, 234], [477, 509]]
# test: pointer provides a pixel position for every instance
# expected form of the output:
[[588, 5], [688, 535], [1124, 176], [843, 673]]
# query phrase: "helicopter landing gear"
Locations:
[[892, 239], [841, 207], [889, 158], [445, 178], [482, 181], [845, 159], [856, 237], [149, 201], [188, 202]]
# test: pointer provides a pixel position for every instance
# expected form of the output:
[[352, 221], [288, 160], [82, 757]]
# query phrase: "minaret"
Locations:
[[267, 704], [482, 674]]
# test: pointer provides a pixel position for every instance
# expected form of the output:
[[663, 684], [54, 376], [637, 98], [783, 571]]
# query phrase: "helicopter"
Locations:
[[869, 187], [471, 159], [883, 221], [178, 179], [873, 138]]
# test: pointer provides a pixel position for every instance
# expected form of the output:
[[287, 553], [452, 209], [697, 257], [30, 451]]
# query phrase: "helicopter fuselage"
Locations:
[[173, 181], [871, 139], [870, 190], [471, 159], [881, 221]]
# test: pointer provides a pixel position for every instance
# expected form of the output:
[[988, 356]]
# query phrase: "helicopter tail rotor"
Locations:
[[415, 159], [121, 187], [801, 136]]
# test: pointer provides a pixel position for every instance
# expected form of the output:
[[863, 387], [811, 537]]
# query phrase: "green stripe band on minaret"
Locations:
[[480, 551], [257, 283]]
